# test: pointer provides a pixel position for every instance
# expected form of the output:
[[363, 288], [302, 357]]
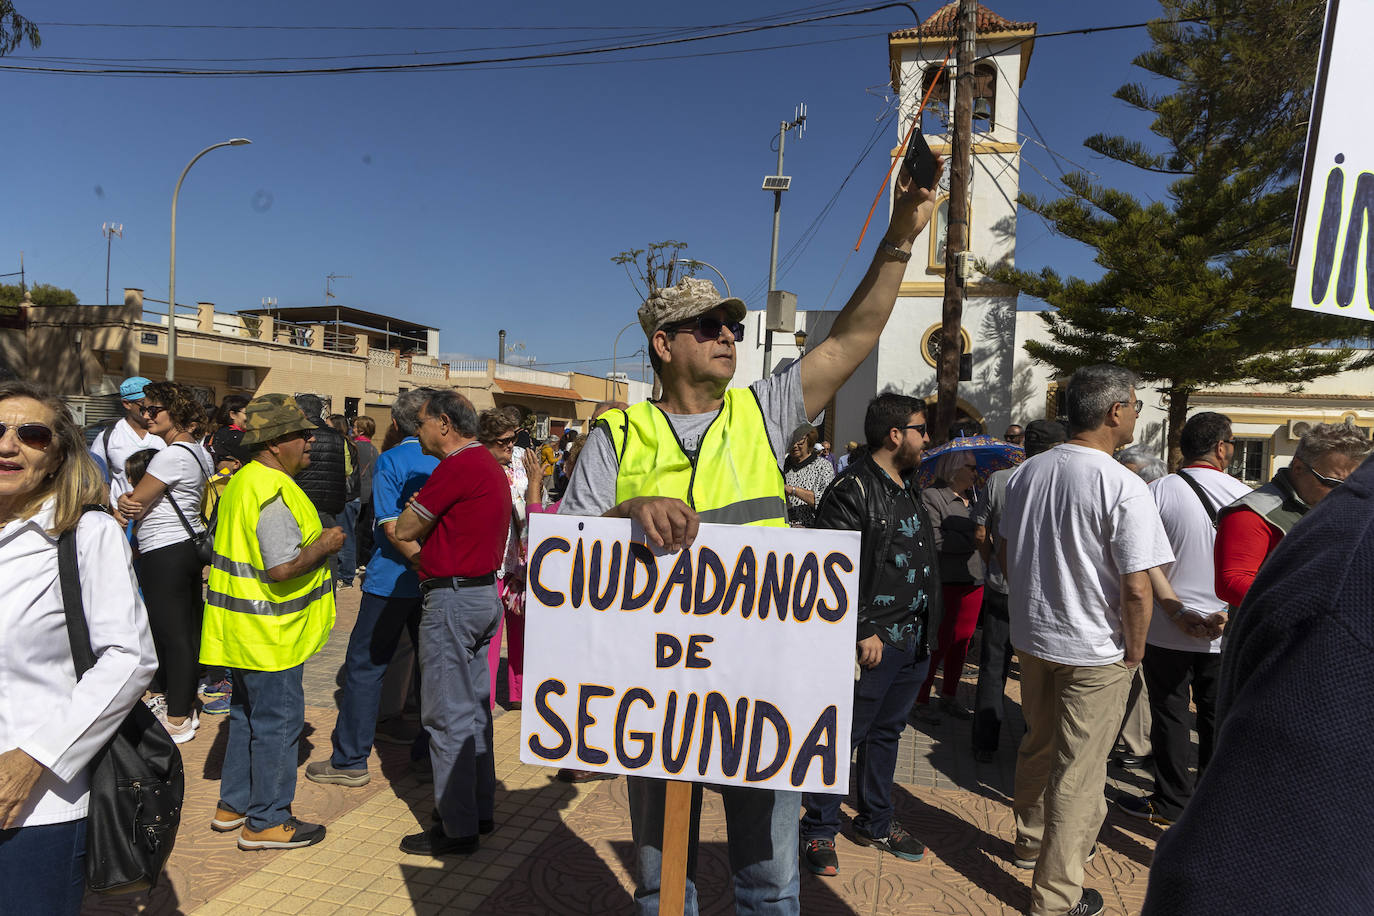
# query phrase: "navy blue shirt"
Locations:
[[1280, 822]]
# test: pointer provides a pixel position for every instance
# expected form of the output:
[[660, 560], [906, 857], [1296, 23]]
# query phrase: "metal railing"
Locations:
[[467, 367]]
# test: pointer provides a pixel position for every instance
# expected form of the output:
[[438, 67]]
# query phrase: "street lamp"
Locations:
[[610, 383], [695, 261], [172, 271]]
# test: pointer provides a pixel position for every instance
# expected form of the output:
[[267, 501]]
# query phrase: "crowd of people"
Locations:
[[212, 544]]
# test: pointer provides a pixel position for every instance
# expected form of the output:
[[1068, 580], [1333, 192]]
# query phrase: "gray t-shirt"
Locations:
[[987, 511], [591, 491], [279, 536]]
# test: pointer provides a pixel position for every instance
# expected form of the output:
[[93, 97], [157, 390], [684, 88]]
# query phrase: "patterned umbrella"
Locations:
[[991, 454]]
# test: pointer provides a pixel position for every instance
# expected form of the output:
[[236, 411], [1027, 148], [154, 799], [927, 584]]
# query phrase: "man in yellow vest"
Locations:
[[706, 452], [269, 606]]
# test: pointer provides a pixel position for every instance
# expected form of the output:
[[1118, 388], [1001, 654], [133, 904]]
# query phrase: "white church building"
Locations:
[[1001, 383]]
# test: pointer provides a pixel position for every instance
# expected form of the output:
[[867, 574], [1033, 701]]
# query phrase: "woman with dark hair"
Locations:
[[806, 476], [53, 724], [961, 577], [166, 504], [227, 427], [498, 432]]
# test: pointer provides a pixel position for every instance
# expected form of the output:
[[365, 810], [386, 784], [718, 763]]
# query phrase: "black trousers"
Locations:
[[1169, 675], [170, 578], [994, 665]]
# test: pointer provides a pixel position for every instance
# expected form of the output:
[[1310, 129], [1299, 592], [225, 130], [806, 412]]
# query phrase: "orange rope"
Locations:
[[915, 122]]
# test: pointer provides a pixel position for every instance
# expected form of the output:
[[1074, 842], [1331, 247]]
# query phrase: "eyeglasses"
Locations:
[[151, 410], [1138, 405], [1330, 483], [1015, 437], [919, 427], [707, 327], [34, 435], [505, 440], [298, 434]]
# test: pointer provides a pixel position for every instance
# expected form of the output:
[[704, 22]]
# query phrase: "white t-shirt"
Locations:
[[123, 442], [183, 468], [1075, 522], [1193, 538]]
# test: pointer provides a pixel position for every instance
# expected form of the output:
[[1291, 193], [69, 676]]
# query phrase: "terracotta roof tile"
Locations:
[[539, 391], [944, 22]]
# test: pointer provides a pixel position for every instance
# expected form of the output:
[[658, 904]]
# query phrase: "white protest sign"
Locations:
[[731, 662], [1336, 234]]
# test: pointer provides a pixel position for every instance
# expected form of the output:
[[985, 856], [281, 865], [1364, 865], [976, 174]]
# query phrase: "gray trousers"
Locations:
[[456, 627]]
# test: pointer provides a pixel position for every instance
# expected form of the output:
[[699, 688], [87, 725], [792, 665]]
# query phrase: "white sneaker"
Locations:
[[158, 704], [183, 732]]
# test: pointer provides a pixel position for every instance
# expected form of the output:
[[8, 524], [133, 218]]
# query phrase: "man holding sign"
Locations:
[[705, 452]]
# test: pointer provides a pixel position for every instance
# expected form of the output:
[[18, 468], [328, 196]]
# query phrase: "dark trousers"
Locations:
[[994, 665], [43, 868], [170, 578], [1169, 674], [266, 717], [882, 700], [370, 649]]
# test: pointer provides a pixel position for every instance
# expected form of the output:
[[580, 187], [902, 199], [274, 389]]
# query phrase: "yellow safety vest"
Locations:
[[250, 620], [734, 477]]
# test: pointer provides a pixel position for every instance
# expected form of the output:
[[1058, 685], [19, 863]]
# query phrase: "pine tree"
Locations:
[[1197, 290]]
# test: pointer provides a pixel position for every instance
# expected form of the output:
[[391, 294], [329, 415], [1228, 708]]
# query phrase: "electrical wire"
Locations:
[[444, 65]]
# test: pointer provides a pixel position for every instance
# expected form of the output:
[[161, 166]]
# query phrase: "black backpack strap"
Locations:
[[69, 578], [1197, 488]]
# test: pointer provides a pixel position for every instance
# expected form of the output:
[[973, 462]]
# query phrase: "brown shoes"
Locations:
[[291, 835], [226, 820]]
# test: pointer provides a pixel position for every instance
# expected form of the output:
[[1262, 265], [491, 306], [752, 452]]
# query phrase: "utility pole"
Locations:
[[956, 238], [777, 184], [110, 230]]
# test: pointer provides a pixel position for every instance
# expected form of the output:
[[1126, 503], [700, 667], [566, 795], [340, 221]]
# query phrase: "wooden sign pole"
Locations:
[[677, 829]]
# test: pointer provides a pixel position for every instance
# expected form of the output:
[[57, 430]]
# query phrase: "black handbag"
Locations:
[[203, 543], [137, 783]]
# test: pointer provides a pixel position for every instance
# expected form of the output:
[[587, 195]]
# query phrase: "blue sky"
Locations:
[[479, 199]]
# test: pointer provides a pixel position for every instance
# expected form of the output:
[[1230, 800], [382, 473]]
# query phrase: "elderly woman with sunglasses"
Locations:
[[961, 579], [166, 504], [51, 724], [498, 430]]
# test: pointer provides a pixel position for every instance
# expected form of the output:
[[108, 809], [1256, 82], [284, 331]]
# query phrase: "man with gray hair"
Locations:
[[460, 518], [390, 602], [1250, 528], [1080, 536], [995, 650]]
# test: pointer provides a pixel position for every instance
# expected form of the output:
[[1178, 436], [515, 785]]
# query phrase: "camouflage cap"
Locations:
[[692, 296], [272, 416]]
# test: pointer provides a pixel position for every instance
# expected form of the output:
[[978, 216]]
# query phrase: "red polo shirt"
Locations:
[[469, 496]]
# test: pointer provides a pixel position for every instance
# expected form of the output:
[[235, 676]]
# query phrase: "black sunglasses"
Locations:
[[1330, 483], [505, 440], [34, 435], [919, 427], [707, 327], [151, 410]]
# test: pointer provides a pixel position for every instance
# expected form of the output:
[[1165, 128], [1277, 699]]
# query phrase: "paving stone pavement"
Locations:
[[563, 849]]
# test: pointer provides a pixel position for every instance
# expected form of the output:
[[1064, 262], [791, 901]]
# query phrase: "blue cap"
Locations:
[[131, 389]]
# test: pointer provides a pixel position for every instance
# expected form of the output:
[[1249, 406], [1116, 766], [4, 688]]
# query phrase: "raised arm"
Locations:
[[855, 332]]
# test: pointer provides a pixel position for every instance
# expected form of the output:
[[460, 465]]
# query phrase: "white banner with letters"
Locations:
[[1336, 235], [731, 662]]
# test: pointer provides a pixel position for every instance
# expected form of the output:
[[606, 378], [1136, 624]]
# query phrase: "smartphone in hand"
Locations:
[[919, 161]]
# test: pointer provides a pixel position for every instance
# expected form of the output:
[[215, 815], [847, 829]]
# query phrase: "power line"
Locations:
[[435, 65]]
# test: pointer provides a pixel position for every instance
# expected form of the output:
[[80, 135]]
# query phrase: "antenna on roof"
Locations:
[[328, 283]]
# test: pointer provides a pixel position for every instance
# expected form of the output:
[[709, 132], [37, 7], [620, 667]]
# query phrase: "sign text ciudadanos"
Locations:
[[730, 662]]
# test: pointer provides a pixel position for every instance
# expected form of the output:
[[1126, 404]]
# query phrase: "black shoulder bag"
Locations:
[[136, 781], [203, 543], [1197, 488]]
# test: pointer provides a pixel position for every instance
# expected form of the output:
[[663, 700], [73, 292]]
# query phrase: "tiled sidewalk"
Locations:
[[562, 849]]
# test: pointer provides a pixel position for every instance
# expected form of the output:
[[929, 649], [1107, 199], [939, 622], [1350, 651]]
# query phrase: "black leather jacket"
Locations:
[[323, 480], [860, 500]]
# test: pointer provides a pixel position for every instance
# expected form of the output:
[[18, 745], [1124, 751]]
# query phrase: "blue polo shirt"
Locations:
[[399, 473]]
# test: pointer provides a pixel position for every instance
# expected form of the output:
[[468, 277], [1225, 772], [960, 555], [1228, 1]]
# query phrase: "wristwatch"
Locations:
[[892, 251]]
